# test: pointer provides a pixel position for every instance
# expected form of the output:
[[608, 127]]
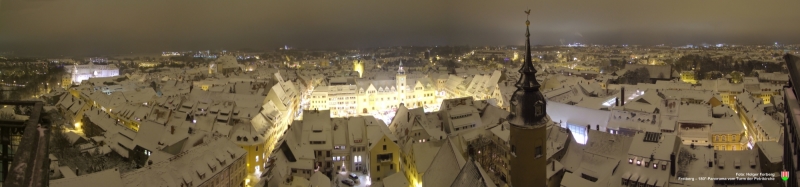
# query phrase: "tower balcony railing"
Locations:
[[29, 166]]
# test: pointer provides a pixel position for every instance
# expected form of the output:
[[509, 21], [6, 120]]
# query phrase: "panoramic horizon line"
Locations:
[[12, 53]]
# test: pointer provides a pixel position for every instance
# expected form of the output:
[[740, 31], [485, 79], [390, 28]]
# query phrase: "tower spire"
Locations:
[[400, 70], [527, 80]]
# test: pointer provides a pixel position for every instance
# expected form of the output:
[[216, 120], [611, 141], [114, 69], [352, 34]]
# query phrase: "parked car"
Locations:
[[348, 182], [353, 176]]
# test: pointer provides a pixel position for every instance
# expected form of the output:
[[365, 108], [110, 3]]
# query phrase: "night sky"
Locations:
[[91, 27]]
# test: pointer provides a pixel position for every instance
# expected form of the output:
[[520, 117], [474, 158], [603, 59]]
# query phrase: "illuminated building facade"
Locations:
[[79, 73]]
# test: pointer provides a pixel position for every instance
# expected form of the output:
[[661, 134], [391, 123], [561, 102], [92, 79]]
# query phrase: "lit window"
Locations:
[[256, 158]]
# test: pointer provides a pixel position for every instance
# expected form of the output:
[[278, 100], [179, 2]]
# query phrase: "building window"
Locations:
[[513, 149], [538, 151], [379, 168], [384, 147]]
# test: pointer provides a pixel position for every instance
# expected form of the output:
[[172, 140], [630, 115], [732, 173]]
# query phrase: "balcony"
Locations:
[[385, 158], [29, 166]]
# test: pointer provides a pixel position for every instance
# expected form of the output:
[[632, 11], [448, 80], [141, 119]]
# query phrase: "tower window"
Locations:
[[538, 110], [513, 149], [538, 151]]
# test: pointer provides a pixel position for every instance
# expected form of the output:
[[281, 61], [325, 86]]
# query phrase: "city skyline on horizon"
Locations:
[[73, 28]]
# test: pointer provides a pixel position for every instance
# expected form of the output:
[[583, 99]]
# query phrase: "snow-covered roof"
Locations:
[[444, 168], [640, 107], [775, 76], [502, 131], [557, 139], [319, 180], [457, 119], [560, 112], [110, 178], [695, 113], [73, 137], [190, 165], [67, 172], [247, 134], [722, 110], [727, 125], [659, 145], [317, 127], [149, 135], [472, 175], [575, 180], [339, 131], [424, 154], [355, 128], [772, 150], [396, 180], [492, 115], [113, 141], [633, 120], [727, 159], [768, 126], [697, 167]]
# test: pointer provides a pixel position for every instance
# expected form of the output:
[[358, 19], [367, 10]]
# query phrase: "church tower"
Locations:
[[528, 119], [401, 83]]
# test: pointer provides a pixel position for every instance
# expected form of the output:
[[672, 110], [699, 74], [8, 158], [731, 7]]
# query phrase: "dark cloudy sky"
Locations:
[[78, 27]]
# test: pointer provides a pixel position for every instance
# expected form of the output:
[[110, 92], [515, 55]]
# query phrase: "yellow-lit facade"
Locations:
[[349, 99], [410, 167], [688, 77], [729, 142], [384, 159], [148, 64], [359, 67], [255, 159], [767, 93]]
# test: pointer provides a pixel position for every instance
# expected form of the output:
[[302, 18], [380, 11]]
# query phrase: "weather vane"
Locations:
[[528, 12]]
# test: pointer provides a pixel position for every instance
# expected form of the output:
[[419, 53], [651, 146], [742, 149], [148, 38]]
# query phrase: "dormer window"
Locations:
[[539, 108]]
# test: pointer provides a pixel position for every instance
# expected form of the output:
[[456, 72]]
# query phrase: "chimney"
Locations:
[[672, 164], [598, 127], [588, 127]]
